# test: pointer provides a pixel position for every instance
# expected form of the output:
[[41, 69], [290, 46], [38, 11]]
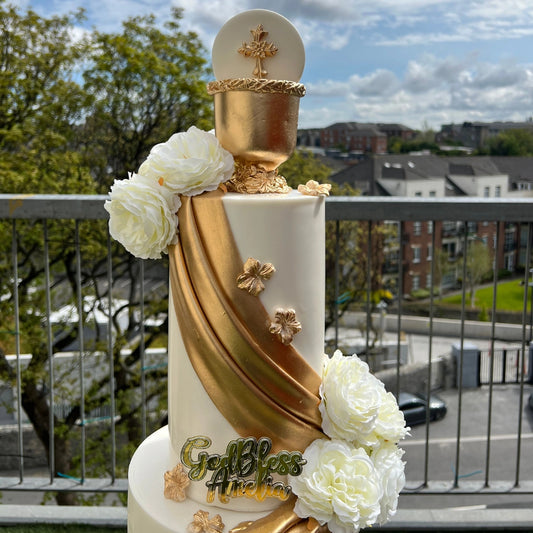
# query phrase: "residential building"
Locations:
[[430, 176], [476, 134], [354, 137]]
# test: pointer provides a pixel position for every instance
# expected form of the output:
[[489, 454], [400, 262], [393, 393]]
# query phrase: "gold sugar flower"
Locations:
[[203, 524], [176, 482], [251, 279], [285, 326], [313, 188]]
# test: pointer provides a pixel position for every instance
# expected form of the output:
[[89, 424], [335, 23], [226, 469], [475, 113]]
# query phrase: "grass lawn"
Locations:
[[510, 297]]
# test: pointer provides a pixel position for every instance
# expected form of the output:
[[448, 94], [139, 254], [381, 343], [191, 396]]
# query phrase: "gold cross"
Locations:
[[258, 49]]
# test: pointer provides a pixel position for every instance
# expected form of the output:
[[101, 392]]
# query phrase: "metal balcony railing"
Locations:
[[81, 386]]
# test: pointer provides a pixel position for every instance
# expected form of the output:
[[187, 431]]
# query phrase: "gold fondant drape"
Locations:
[[262, 387]]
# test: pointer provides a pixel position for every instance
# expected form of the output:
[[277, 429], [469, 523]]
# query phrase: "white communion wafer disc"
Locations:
[[280, 52]]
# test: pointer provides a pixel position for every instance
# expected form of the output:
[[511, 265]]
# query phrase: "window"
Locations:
[[416, 282], [486, 192], [428, 281], [416, 254], [418, 193], [417, 228], [430, 227], [498, 191], [432, 194]]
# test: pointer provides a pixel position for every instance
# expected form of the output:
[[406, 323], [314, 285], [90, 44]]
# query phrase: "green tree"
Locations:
[[140, 87], [478, 265], [39, 103], [441, 268], [40, 106], [146, 83], [515, 142], [351, 238]]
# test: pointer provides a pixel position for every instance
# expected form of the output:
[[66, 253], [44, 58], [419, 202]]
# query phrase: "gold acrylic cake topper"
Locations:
[[256, 119]]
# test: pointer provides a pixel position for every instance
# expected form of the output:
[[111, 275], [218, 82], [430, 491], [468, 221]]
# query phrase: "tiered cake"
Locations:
[[265, 433]]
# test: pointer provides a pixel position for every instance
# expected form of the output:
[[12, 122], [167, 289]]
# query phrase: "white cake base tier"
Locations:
[[148, 509]]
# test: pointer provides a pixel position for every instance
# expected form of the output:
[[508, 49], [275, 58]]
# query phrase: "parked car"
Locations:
[[414, 408]]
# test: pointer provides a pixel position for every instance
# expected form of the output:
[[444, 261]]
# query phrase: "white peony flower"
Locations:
[[189, 163], [143, 216], [355, 405], [390, 423], [390, 467], [339, 486], [351, 398]]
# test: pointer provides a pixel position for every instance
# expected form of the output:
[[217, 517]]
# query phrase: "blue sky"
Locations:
[[421, 63]]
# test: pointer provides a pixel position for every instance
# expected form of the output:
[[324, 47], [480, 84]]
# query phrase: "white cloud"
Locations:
[[432, 89]]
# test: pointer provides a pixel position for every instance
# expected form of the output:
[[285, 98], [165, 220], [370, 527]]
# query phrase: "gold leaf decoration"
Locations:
[[285, 326], [313, 188], [251, 279], [252, 178], [176, 483], [259, 50], [203, 524], [257, 86]]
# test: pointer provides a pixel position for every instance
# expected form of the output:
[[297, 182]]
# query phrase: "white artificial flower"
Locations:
[[355, 405], [189, 163], [142, 216], [339, 486], [351, 398], [390, 467], [390, 423]]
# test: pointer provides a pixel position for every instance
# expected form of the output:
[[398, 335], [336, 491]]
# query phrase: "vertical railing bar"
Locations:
[[81, 346], [504, 366], [368, 290], [523, 354], [400, 299], [111, 357], [337, 281], [461, 356], [430, 351], [492, 351], [142, 348], [14, 258], [51, 390]]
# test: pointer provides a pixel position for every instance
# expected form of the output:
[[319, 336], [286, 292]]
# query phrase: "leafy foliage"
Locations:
[[515, 142], [146, 84], [347, 240], [60, 133]]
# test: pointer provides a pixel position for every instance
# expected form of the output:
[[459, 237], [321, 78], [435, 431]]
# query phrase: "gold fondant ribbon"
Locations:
[[282, 520], [262, 387]]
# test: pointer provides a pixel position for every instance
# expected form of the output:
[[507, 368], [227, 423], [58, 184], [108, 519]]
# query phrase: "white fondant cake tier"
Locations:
[[148, 510], [285, 230], [288, 232]]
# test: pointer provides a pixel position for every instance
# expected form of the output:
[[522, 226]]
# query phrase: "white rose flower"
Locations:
[[189, 163], [142, 216], [351, 398], [390, 467], [339, 485]]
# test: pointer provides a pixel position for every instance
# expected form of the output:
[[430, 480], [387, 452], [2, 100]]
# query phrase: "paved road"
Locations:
[[502, 458]]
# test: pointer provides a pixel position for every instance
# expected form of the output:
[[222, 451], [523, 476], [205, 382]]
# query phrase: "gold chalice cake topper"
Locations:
[[258, 59]]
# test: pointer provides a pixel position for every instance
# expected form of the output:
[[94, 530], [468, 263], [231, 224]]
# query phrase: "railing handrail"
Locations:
[[86, 206]]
